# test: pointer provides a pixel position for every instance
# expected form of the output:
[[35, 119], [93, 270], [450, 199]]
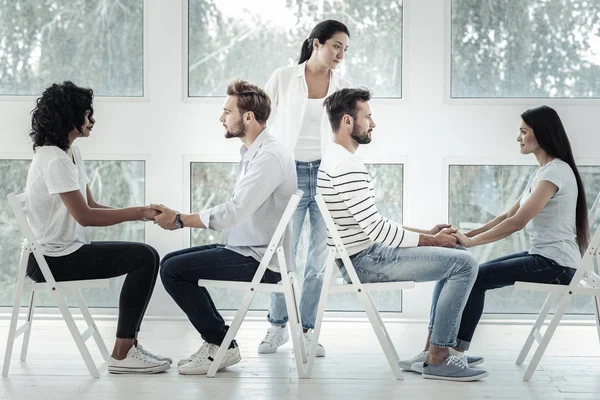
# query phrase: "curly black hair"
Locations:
[[62, 108]]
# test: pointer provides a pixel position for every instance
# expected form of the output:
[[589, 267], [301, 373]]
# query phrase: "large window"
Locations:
[[212, 184], [477, 194], [97, 44], [115, 183], [250, 39], [525, 48]]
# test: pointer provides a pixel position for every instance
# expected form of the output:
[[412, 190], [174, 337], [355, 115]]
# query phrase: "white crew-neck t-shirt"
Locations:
[[52, 172]]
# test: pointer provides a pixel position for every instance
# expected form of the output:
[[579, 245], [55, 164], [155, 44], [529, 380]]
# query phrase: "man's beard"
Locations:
[[361, 138], [240, 131]]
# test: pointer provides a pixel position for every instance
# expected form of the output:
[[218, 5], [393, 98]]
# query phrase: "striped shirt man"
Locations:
[[346, 187]]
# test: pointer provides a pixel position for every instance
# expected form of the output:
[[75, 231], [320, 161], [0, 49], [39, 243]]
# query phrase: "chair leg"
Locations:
[[90, 322], [27, 334], [83, 350], [539, 322], [537, 356], [384, 340], [233, 329], [597, 314], [13, 328], [321, 310], [295, 319]]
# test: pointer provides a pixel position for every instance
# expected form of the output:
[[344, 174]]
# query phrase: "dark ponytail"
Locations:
[[552, 137], [323, 31]]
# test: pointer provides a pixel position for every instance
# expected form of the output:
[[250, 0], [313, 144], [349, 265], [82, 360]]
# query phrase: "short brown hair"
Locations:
[[251, 98]]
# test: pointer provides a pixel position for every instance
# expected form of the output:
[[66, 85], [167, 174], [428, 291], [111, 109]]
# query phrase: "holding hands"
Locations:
[[165, 217]]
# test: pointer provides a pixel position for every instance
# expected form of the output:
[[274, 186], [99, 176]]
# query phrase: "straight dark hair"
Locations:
[[323, 31], [552, 137], [344, 102]]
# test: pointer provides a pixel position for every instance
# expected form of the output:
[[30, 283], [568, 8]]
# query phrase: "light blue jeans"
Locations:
[[456, 270], [317, 251]]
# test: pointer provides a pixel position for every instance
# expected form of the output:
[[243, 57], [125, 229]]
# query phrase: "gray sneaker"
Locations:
[[417, 361], [453, 369], [415, 364]]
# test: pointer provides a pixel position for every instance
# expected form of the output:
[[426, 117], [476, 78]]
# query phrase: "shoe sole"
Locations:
[[144, 370], [273, 350], [204, 370], [457, 379]]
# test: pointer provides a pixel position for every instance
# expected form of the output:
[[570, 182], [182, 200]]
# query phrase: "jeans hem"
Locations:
[[443, 345], [279, 322]]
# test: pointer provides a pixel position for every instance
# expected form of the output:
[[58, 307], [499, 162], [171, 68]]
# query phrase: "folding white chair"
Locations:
[[363, 290], [286, 287], [585, 282], [57, 289]]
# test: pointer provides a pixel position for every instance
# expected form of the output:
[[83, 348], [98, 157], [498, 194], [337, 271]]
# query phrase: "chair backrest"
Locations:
[[337, 240], [17, 204], [278, 235]]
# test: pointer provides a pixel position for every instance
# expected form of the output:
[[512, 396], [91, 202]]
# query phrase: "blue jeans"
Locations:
[[505, 271], [455, 269], [317, 251], [180, 271]]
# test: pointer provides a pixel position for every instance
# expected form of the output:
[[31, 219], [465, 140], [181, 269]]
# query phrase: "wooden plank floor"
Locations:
[[355, 367]]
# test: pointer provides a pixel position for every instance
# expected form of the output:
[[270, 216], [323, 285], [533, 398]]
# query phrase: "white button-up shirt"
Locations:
[[265, 181]]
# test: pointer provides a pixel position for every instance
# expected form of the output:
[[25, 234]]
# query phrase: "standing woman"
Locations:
[[299, 121], [60, 207]]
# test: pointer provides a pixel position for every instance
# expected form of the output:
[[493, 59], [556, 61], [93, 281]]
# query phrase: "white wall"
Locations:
[[424, 126]]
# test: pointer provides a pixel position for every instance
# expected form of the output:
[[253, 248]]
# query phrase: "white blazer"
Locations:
[[289, 95]]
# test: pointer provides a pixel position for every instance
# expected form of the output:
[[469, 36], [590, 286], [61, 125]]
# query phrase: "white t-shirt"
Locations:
[[553, 230], [52, 172], [308, 146]]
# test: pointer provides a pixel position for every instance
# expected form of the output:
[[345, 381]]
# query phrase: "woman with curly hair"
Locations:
[[61, 207]]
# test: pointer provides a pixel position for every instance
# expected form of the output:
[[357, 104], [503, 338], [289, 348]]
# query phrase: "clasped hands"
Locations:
[[161, 215], [449, 237]]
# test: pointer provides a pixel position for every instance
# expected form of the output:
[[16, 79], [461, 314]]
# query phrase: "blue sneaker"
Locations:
[[453, 369]]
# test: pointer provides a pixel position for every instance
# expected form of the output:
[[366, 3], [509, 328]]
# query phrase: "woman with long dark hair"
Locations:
[[60, 208], [553, 208], [299, 121]]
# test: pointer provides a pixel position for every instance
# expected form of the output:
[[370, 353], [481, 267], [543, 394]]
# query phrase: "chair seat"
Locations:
[[31, 285], [240, 285], [372, 287]]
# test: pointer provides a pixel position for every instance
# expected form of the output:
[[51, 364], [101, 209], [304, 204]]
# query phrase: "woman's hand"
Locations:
[[438, 228], [462, 239], [148, 213]]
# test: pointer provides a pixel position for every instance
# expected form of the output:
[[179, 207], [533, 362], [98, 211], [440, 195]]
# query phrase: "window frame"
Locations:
[[212, 100], [520, 101], [144, 98]]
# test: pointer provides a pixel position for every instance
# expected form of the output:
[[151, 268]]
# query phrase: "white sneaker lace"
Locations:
[[148, 353], [203, 351], [143, 356], [273, 334], [453, 360]]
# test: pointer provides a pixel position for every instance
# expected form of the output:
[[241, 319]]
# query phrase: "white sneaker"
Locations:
[[137, 362], [276, 336], [155, 356], [307, 343], [204, 357], [190, 358]]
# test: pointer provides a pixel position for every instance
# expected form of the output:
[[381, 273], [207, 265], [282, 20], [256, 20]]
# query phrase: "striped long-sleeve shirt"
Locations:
[[346, 187]]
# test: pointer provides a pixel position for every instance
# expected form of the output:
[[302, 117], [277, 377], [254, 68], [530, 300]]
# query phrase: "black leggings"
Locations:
[[100, 260]]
